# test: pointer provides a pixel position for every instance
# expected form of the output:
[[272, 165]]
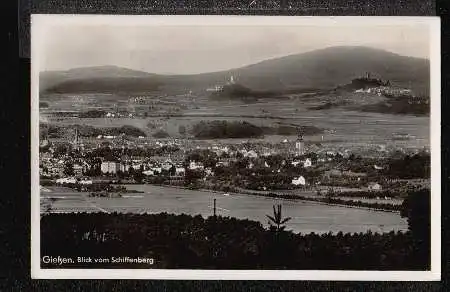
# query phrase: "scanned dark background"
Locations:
[[217, 7], [15, 253]]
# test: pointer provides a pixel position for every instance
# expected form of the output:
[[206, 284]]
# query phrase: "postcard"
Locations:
[[235, 147]]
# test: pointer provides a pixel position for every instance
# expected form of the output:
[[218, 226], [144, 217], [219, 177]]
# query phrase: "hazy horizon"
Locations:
[[186, 50], [270, 58]]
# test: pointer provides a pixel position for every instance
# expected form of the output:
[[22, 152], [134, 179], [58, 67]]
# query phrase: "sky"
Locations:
[[192, 49]]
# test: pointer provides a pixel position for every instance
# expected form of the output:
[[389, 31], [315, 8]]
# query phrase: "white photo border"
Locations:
[[40, 21]]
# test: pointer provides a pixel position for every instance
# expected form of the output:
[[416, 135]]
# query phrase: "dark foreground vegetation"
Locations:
[[53, 131], [238, 91], [43, 104], [285, 130], [106, 85], [400, 106], [241, 129], [328, 105], [225, 129], [183, 241]]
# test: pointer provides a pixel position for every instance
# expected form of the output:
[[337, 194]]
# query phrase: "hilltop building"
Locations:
[[220, 87]]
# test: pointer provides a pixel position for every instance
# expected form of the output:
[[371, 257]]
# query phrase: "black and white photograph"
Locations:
[[235, 147]]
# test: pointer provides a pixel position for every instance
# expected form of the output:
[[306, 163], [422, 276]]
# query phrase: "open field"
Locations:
[[344, 127]]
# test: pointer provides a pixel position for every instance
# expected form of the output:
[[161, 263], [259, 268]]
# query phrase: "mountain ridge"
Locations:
[[322, 68]]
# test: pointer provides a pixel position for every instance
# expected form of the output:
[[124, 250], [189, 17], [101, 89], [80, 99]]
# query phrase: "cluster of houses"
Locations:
[[118, 115], [381, 90], [54, 167], [395, 92], [74, 180], [148, 168], [258, 154]]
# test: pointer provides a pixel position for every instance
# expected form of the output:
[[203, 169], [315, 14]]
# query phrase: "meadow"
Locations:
[[342, 126]]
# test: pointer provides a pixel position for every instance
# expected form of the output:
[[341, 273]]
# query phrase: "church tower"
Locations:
[[76, 142], [300, 145]]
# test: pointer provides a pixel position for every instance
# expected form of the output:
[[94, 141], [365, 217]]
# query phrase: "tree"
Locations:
[[276, 222], [172, 170], [417, 208], [131, 171], [61, 150], [68, 169], [161, 134], [182, 130], [120, 174], [210, 160], [138, 175], [330, 194]]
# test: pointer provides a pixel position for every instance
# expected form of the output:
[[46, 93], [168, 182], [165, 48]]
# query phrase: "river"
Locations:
[[306, 216]]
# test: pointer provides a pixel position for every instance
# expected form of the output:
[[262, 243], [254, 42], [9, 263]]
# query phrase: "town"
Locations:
[[240, 168]]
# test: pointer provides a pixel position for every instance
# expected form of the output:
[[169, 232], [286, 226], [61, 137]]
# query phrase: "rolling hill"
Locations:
[[321, 69], [327, 68], [84, 79]]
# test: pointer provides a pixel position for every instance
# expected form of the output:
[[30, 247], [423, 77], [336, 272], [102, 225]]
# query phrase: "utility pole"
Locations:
[[214, 208], [283, 5]]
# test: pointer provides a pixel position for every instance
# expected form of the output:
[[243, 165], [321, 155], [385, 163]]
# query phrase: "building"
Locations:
[[251, 154], [148, 172], [86, 182], [374, 186], [78, 169], [44, 142], [110, 167], [209, 171], [167, 165], [195, 165], [180, 171], [307, 163], [295, 163], [124, 167], [299, 181], [66, 180]]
